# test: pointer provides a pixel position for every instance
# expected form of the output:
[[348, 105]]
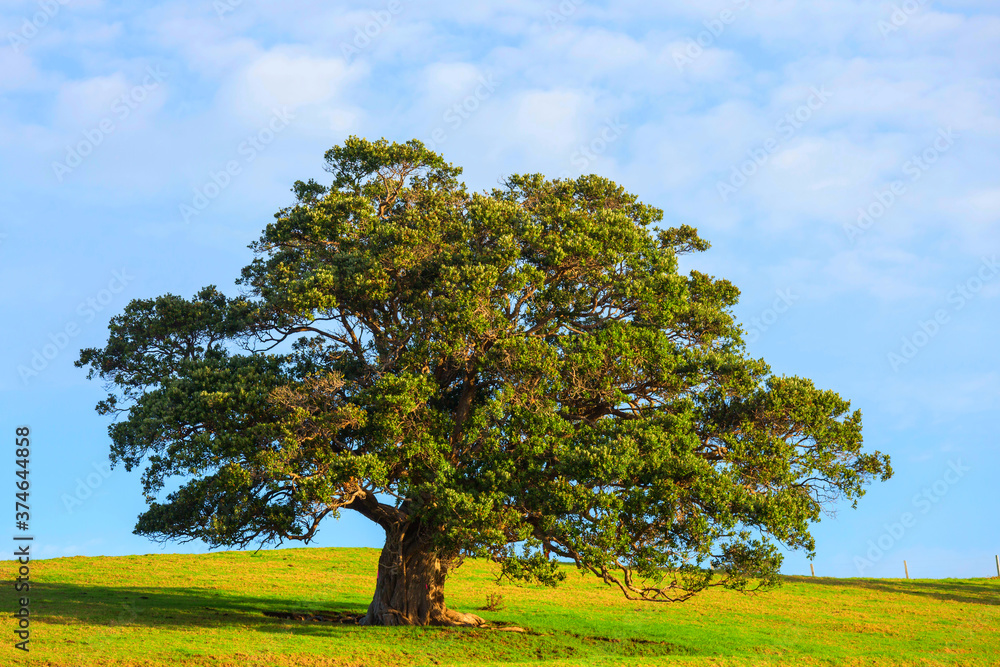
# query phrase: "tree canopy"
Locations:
[[522, 375]]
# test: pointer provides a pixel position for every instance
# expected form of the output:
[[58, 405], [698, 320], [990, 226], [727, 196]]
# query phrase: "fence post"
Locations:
[[998, 567], [812, 569], [906, 570]]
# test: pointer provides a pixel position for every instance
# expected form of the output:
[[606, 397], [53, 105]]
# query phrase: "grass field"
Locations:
[[209, 610]]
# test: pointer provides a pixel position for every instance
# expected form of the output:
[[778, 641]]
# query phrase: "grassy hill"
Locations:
[[209, 610]]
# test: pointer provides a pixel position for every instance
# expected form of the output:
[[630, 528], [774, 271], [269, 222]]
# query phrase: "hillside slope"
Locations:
[[209, 610]]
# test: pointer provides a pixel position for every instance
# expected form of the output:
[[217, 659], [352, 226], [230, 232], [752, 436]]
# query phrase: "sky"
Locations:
[[841, 157]]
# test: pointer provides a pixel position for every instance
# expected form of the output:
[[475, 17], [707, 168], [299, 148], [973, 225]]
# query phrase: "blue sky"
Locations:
[[842, 157]]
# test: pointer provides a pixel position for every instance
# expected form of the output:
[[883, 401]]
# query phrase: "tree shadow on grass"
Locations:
[[62, 603], [950, 590], [194, 609]]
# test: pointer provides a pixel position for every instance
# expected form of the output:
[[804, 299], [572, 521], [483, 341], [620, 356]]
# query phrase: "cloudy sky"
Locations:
[[842, 157]]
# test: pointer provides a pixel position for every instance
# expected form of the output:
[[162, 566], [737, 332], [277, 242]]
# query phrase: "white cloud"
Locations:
[[887, 273], [16, 69], [290, 77], [605, 51], [980, 207], [547, 122], [442, 83], [88, 100]]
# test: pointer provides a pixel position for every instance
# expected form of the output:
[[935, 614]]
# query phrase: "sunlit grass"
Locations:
[[208, 610]]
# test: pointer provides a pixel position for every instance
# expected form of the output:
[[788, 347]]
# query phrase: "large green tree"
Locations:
[[521, 375]]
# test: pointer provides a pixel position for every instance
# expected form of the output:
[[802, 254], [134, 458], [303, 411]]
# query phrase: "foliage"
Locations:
[[522, 375]]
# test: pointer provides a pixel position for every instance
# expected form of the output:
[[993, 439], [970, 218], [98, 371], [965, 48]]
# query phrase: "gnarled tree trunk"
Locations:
[[410, 585]]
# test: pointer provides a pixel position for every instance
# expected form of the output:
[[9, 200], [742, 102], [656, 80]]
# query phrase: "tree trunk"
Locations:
[[409, 589]]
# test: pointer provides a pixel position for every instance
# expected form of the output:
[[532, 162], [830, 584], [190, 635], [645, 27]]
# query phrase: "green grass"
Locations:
[[208, 610]]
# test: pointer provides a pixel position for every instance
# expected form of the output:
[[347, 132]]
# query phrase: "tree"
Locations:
[[521, 375]]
